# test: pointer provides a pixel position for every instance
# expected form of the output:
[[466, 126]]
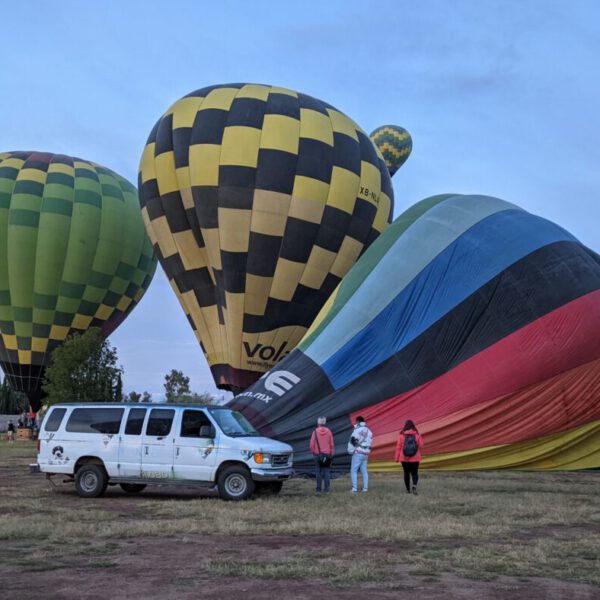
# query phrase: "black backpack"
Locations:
[[410, 447]]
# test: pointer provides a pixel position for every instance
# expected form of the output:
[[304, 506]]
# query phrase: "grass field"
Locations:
[[499, 532]]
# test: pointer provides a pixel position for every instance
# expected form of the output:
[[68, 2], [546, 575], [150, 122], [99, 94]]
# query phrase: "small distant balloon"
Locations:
[[394, 143]]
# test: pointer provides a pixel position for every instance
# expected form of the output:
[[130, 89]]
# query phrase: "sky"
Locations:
[[501, 98]]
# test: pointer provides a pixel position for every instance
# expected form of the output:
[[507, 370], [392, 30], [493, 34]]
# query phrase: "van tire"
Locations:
[[91, 480], [132, 488], [235, 483]]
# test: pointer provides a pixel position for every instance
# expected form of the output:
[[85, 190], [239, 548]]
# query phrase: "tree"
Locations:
[[83, 369], [146, 397], [11, 402], [177, 385], [133, 397], [194, 398]]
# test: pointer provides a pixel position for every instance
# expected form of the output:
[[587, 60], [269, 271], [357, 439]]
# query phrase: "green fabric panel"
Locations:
[[59, 206], [24, 217], [44, 301], [60, 179], [41, 331], [23, 329], [371, 257], [5, 297]]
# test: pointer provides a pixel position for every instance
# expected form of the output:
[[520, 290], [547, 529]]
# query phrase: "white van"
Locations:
[[135, 445]]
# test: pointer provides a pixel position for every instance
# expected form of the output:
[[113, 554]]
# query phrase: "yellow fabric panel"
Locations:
[[257, 294], [344, 189], [80, 164], [10, 341], [342, 124], [234, 225], [149, 226], [32, 175], [316, 126], [204, 164], [219, 98], [164, 236], [147, 168], [382, 215], [124, 303], [185, 111], [165, 173], [81, 321], [65, 169], [310, 190], [280, 133], [285, 280], [370, 183], [192, 256], [323, 312], [280, 90], [251, 90], [347, 255], [39, 344], [290, 335], [184, 185], [578, 448], [317, 267], [240, 146], [58, 332], [104, 312], [270, 212], [24, 357]]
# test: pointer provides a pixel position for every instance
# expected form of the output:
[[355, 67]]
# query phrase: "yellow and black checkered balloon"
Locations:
[[258, 200], [395, 145]]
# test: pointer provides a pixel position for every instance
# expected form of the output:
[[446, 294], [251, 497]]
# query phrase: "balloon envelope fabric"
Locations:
[[258, 200], [470, 316], [73, 254], [395, 145]]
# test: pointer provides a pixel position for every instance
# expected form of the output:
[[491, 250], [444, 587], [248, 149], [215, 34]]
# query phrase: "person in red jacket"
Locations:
[[321, 447], [408, 453]]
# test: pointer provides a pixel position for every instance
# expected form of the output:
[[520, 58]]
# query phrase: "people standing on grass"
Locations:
[[408, 453], [359, 447], [10, 432], [321, 447]]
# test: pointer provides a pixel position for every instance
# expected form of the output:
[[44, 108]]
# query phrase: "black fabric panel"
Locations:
[[27, 379], [236, 176], [236, 197], [346, 153], [234, 271], [208, 126], [164, 135], [203, 92], [206, 202], [298, 239], [263, 254], [315, 160], [367, 149], [153, 205], [247, 112], [305, 101], [276, 171], [175, 213], [181, 145], [282, 104]]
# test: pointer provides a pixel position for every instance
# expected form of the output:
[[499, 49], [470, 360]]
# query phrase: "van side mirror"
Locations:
[[207, 431]]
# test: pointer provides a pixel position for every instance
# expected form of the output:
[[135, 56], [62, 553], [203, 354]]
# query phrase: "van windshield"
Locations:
[[233, 423]]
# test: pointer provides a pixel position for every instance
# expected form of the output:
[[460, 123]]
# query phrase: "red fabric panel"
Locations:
[[560, 403], [561, 340]]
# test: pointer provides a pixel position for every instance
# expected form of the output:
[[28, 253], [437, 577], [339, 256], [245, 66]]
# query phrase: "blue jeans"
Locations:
[[323, 474], [359, 462]]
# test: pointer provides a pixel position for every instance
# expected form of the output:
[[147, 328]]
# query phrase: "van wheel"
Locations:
[[235, 483], [91, 481], [269, 488], [132, 488]]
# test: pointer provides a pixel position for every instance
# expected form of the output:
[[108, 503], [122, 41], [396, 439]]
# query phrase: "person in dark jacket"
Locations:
[[321, 447], [408, 453]]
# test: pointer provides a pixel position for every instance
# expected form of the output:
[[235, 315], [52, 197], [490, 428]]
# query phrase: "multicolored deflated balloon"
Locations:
[[470, 316]]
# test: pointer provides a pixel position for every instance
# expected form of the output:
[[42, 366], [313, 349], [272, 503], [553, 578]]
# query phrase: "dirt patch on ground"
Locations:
[[169, 567]]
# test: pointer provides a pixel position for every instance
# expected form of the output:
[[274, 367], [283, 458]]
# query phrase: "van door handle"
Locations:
[[146, 448], [178, 451]]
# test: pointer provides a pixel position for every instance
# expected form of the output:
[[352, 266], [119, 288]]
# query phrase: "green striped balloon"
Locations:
[[394, 143], [74, 254]]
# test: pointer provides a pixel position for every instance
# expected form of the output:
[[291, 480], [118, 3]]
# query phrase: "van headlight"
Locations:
[[260, 458]]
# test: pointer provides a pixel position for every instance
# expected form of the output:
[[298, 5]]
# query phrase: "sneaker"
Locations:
[[354, 491], [364, 491], [408, 491], [415, 490]]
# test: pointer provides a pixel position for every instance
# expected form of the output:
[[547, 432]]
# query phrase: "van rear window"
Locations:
[[54, 419], [95, 420]]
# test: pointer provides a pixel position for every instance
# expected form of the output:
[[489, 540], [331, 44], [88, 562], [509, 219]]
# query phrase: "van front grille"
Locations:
[[280, 460]]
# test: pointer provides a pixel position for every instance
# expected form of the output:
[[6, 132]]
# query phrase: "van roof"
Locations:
[[136, 405]]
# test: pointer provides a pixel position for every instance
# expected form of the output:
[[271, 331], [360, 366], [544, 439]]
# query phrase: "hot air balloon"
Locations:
[[394, 143], [74, 254], [258, 200], [470, 316]]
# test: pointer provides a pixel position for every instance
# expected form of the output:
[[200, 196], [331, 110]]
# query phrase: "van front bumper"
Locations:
[[34, 468], [271, 474]]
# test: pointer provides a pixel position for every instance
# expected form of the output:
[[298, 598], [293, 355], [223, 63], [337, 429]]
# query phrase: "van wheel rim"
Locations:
[[89, 482], [236, 485]]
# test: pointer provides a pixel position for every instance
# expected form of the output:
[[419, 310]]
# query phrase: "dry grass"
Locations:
[[476, 525]]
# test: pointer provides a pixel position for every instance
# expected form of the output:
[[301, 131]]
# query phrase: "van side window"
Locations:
[[95, 420], [191, 423], [54, 419], [135, 421], [160, 422]]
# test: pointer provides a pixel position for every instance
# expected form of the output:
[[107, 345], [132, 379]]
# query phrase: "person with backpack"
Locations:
[[359, 447], [321, 447], [408, 453]]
